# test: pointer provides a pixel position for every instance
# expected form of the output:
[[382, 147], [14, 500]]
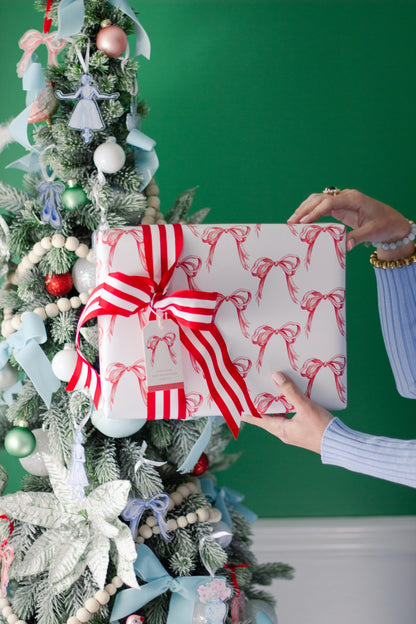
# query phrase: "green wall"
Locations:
[[261, 103]]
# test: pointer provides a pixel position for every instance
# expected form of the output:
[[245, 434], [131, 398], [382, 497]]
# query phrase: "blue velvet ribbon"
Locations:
[[71, 15], [197, 449], [135, 507], [221, 497], [158, 581], [145, 157], [33, 83], [24, 346]]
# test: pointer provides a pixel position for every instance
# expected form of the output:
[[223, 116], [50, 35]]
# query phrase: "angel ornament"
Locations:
[[86, 115]]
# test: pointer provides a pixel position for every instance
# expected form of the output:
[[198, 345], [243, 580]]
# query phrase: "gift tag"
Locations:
[[163, 359]]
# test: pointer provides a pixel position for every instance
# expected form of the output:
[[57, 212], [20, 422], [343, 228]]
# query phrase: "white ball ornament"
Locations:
[[34, 463], [120, 428], [83, 275], [64, 362], [109, 157], [8, 376]]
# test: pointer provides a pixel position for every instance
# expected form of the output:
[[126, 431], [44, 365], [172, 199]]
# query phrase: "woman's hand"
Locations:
[[370, 219], [305, 428]]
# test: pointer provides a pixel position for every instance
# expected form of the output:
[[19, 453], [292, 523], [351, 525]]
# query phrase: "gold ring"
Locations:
[[331, 190]]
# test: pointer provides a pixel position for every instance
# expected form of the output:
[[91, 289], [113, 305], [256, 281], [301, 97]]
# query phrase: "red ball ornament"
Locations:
[[201, 466], [111, 40], [58, 285]]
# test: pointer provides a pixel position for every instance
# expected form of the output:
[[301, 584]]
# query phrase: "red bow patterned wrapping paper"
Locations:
[[281, 307]]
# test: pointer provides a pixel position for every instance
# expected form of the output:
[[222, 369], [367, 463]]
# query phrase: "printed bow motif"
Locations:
[[31, 40], [313, 298], [289, 332], [112, 237], [336, 365], [264, 400], [116, 370], [240, 299], [310, 233], [191, 266], [289, 265], [212, 235], [167, 339]]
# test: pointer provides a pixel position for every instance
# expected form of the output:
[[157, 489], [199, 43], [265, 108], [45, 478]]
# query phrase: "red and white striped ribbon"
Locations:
[[192, 311]]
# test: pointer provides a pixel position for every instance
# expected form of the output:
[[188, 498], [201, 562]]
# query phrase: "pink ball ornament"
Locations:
[[109, 157], [111, 40]]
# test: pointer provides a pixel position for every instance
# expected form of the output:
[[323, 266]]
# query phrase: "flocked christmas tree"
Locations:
[[97, 489]]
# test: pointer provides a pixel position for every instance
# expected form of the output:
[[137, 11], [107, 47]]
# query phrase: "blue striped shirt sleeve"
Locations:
[[386, 458], [396, 289]]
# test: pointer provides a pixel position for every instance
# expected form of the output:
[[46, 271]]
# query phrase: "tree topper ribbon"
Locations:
[[183, 588], [31, 40], [24, 346], [192, 311], [71, 14]]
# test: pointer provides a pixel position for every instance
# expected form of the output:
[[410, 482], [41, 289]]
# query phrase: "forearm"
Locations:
[[385, 458], [396, 290]]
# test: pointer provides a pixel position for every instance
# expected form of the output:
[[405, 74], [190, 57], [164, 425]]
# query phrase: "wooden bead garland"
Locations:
[[152, 212], [12, 323], [204, 514], [91, 605]]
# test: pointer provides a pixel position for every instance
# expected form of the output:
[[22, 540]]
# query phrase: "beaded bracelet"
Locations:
[[391, 264], [403, 241]]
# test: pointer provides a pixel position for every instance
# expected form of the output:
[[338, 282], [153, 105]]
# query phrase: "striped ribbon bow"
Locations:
[[336, 365], [192, 311]]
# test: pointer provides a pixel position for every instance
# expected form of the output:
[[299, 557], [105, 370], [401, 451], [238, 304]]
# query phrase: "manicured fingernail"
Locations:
[[278, 378], [350, 244]]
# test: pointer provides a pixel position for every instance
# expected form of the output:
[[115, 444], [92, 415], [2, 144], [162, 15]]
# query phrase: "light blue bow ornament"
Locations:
[[145, 157], [24, 346], [158, 581], [158, 505], [221, 497]]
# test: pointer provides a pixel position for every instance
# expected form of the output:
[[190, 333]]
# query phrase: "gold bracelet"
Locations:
[[391, 264]]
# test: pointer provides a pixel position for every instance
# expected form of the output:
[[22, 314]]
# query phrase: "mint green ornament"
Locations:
[[74, 197], [20, 441]]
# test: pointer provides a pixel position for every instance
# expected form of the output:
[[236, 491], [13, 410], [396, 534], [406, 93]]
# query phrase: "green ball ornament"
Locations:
[[74, 197], [20, 441]]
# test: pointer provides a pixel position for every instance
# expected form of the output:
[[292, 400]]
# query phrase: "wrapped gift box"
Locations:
[[281, 306]]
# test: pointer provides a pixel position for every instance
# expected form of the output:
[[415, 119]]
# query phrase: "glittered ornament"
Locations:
[[8, 376], [64, 362], [34, 463], [20, 441], [44, 106], [58, 285], [109, 157], [74, 197], [201, 466], [83, 275], [111, 40]]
